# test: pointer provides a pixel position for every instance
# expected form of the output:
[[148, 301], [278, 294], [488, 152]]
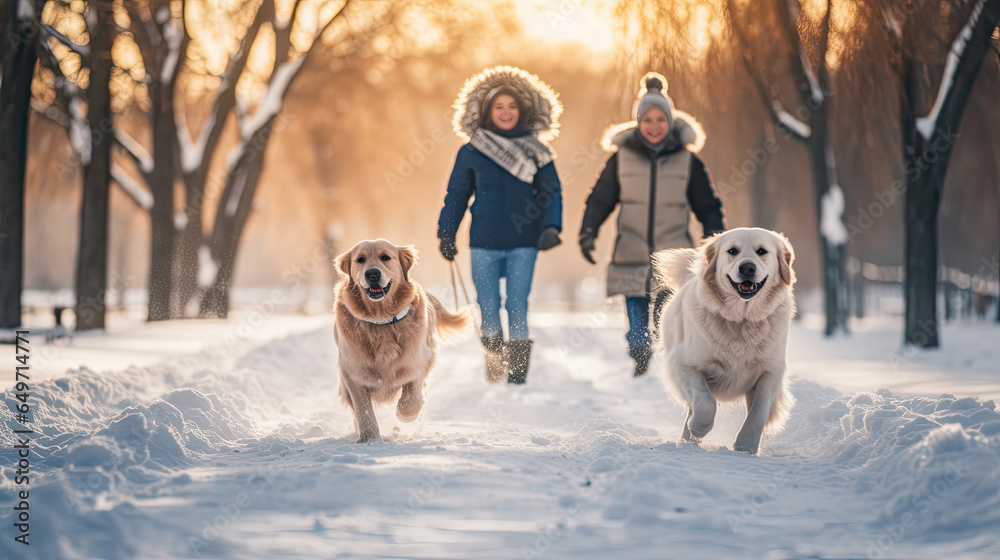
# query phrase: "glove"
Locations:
[[448, 249], [587, 246], [548, 239]]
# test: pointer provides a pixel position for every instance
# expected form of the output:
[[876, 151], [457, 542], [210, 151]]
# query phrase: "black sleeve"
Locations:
[[603, 199], [703, 201]]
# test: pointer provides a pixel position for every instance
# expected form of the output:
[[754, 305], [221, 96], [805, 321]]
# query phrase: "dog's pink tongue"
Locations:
[[746, 286]]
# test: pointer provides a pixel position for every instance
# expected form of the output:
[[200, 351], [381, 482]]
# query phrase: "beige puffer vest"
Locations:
[[666, 207]]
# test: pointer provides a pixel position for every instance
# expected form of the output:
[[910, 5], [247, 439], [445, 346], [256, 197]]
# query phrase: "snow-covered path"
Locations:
[[251, 456]]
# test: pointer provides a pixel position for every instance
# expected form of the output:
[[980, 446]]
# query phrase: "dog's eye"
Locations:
[[386, 258], [361, 260], [762, 252], [733, 251]]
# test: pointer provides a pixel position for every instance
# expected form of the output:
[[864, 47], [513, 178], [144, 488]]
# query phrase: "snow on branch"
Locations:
[[25, 10], [192, 153], [790, 123], [139, 195], [817, 92], [831, 224], [79, 130], [173, 32], [926, 125], [135, 150], [270, 105]]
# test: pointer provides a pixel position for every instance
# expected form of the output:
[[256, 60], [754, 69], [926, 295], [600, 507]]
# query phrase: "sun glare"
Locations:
[[588, 23]]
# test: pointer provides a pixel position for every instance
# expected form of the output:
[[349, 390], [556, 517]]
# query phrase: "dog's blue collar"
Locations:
[[392, 320]]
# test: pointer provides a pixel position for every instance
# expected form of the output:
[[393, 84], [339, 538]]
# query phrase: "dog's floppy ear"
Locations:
[[712, 256], [343, 264], [785, 257], [407, 259]]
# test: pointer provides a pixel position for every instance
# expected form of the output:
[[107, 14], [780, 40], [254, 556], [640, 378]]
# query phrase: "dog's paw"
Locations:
[[364, 438], [408, 410], [746, 447], [407, 418]]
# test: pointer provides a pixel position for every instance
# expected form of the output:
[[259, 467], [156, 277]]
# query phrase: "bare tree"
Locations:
[[86, 114], [812, 83], [162, 41], [245, 161], [929, 123], [21, 24], [95, 149]]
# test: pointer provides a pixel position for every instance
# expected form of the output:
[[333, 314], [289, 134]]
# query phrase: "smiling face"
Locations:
[[745, 262], [654, 125], [377, 268], [504, 112]]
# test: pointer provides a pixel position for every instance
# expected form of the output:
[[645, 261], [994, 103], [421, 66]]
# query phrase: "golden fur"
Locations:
[[380, 363]]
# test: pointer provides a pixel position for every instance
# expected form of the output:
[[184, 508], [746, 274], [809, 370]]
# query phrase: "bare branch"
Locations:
[[193, 154], [135, 151], [142, 198], [82, 50], [50, 112], [779, 117]]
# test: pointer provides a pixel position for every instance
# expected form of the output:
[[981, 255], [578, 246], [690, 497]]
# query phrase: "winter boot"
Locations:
[[518, 354], [641, 355], [496, 361]]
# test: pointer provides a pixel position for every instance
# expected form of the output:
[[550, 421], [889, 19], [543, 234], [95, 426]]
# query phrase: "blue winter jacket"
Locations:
[[506, 212]]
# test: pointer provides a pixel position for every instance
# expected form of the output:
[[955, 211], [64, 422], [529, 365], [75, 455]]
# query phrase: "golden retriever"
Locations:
[[726, 328], [384, 327]]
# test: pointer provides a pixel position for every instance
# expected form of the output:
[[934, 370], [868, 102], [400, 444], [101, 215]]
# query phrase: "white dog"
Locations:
[[726, 328]]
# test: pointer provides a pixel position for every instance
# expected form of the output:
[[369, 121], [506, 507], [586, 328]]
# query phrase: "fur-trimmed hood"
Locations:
[[687, 128], [540, 112]]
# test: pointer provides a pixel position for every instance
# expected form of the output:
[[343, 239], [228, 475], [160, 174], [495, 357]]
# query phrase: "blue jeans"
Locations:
[[637, 309], [488, 267]]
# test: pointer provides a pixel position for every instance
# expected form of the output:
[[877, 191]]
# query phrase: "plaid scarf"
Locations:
[[522, 157]]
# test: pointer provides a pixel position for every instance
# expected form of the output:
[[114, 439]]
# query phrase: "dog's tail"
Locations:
[[448, 323], [672, 267]]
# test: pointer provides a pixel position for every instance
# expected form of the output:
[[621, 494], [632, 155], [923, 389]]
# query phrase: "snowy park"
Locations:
[[241, 450], [518, 279]]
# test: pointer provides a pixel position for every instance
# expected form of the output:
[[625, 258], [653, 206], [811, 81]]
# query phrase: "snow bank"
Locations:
[[251, 456], [933, 459]]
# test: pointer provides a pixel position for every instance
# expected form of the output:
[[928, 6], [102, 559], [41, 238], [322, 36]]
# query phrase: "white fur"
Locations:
[[721, 347]]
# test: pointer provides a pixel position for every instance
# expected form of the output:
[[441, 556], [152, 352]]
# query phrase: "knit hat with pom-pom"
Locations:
[[653, 93]]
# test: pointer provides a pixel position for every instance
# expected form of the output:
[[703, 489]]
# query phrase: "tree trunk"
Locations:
[[162, 305], [188, 243], [231, 217], [18, 67], [763, 208], [926, 165], [834, 261], [92, 261], [920, 262], [196, 179]]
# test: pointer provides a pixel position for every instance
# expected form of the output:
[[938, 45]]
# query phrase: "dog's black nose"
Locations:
[[374, 275], [748, 269]]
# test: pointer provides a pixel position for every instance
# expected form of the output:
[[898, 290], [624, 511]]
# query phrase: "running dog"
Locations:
[[384, 330], [726, 328]]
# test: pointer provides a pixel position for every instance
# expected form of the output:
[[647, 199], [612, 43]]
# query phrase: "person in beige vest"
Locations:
[[658, 180]]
